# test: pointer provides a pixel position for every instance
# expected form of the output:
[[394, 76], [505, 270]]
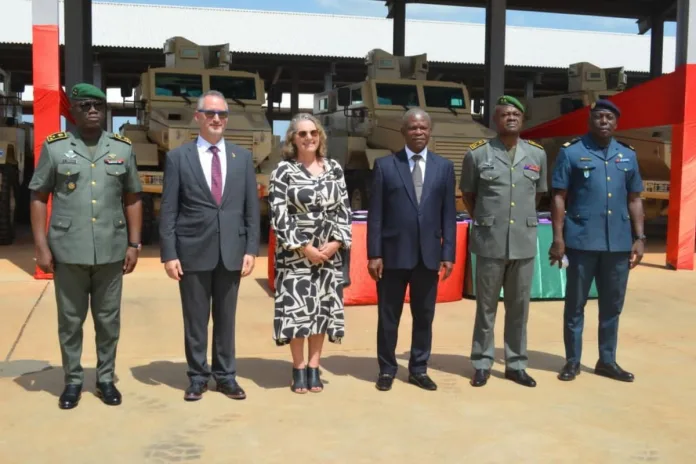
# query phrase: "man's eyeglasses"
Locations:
[[85, 105], [303, 134], [210, 114]]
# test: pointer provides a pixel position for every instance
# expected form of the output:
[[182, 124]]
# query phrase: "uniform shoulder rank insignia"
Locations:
[[477, 144], [534, 144], [567, 144], [626, 145], [121, 138], [56, 136]]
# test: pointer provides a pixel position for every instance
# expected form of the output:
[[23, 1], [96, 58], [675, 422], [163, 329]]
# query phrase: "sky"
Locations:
[[418, 11], [413, 11]]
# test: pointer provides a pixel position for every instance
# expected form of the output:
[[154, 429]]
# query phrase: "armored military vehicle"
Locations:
[[587, 83], [165, 102], [15, 157], [363, 120]]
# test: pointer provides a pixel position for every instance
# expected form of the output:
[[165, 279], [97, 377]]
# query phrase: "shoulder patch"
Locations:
[[477, 144], [534, 144], [121, 138], [56, 136], [625, 145], [567, 144]]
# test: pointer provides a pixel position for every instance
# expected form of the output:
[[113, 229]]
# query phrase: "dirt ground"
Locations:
[[590, 420]]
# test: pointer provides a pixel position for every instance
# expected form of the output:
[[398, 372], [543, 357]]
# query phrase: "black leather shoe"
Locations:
[[108, 393], [231, 389], [521, 377], [569, 371], [423, 381], [70, 397], [195, 391], [613, 371], [384, 382], [480, 377]]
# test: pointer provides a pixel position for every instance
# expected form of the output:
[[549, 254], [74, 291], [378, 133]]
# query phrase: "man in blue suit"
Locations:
[[411, 230], [598, 223]]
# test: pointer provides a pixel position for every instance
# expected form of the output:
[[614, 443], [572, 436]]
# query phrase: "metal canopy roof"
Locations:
[[636, 9]]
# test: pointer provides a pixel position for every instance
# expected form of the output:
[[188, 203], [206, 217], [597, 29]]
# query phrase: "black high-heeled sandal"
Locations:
[[299, 381], [314, 380]]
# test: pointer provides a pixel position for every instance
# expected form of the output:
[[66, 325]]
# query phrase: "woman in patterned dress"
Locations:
[[311, 219]]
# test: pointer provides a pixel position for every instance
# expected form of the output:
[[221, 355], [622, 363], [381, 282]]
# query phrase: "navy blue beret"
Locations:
[[602, 104]]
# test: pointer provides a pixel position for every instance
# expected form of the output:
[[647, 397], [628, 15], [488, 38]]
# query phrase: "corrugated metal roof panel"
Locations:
[[148, 26]]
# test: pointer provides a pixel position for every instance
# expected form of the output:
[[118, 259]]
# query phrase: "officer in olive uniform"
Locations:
[[596, 197], [93, 235], [501, 182]]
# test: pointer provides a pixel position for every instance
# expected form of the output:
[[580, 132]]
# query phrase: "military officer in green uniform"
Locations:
[[501, 182], [93, 235]]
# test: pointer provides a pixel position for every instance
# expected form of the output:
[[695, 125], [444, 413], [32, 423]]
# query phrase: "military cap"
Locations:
[[85, 91], [603, 104], [508, 100]]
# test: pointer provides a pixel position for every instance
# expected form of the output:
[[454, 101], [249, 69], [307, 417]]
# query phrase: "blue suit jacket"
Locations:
[[597, 183], [399, 230]]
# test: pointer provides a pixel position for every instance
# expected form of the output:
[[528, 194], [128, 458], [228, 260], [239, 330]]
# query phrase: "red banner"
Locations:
[[658, 102], [47, 98]]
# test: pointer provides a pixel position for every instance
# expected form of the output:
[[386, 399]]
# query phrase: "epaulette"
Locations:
[[534, 144], [121, 138], [56, 136], [477, 144], [567, 144], [626, 145]]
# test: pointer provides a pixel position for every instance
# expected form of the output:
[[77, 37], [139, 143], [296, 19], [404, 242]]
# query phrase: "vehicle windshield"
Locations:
[[241, 88], [178, 85], [444, 97], [397, 94]]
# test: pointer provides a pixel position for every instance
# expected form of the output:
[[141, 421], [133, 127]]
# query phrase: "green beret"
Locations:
[[84, 91], [508, 100]]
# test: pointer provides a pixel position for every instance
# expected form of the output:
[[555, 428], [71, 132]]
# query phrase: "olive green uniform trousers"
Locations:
[[79, 287]]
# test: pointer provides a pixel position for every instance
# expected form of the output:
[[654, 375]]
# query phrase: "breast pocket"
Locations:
[[115, 175], [68, 178], [489, 179], [583, 174]]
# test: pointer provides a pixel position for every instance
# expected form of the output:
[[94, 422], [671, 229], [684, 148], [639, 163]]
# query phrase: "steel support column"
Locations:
[[495, 56], [295, 92], [682, 197], [397, 11], [657, 40], [78, 43]]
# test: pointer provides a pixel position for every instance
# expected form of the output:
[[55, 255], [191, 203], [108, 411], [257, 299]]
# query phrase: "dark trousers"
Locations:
[[198, 290], [391, 291], [610, 272]]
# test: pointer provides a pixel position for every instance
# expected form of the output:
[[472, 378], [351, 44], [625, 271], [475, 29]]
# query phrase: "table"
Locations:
[[548, 283], [362, 289]]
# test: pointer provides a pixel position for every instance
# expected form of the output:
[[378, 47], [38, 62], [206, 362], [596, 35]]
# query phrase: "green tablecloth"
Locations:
[[548, 283]]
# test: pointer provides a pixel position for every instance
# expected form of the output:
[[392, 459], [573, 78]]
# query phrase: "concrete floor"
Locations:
[[591, 420]]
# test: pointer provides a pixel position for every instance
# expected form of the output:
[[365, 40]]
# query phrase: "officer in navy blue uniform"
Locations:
[[597, 218]]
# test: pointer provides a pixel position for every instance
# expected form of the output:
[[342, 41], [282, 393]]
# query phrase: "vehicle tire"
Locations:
[[357, 183], [148, 230], [8, 203]]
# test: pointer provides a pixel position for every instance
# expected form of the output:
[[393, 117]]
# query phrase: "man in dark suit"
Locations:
[[411, 229], [209, 235]]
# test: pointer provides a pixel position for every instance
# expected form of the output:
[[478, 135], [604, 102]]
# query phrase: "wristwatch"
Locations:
[[137, 246], [640, 237]]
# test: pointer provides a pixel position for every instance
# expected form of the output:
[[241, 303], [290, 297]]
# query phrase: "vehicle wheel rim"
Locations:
[[356, 200]]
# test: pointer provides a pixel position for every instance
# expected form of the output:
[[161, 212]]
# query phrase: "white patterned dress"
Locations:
[[304, 210]]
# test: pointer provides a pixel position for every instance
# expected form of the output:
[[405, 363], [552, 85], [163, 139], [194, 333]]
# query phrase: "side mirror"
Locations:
[[126, 91], [17, 84], [343, 96]]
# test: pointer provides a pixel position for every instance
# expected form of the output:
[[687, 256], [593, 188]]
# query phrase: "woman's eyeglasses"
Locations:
[[303, 134], [210, 114]]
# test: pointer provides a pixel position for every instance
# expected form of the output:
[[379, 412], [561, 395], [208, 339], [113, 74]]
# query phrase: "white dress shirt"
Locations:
[[423, 163], [206, 158]]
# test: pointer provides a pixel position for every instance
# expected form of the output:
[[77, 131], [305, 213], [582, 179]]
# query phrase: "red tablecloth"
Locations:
[[363, 290]]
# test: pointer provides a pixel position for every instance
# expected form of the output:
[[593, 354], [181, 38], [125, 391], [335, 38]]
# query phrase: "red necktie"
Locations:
[[216, 175]]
